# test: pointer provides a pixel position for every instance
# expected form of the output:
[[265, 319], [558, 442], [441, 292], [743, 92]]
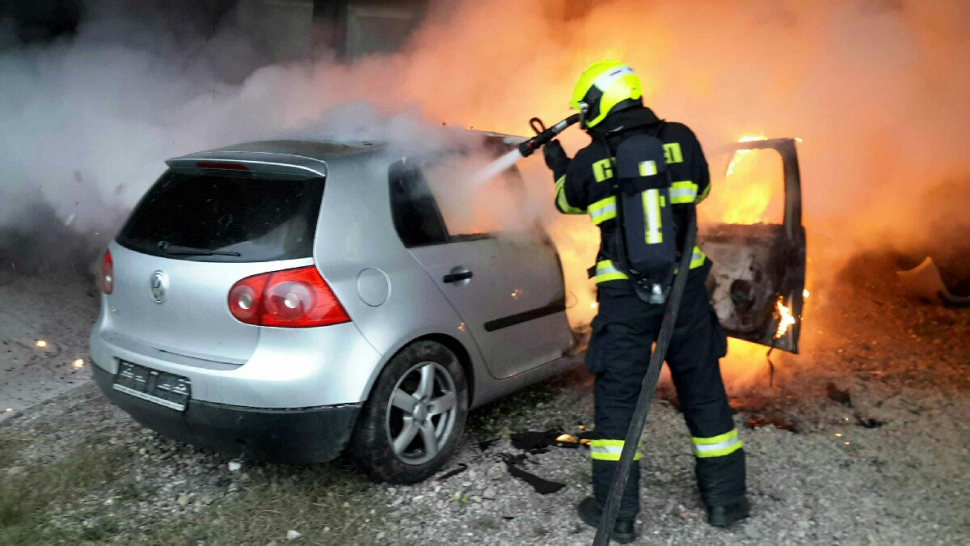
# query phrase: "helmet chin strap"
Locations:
[[583, 110]]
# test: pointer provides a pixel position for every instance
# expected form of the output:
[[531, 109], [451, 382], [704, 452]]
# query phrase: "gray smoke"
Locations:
[[87, 120], [874, 88]]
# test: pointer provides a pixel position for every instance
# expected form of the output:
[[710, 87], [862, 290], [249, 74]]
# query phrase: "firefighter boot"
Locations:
[[726, 516], [590, 512]]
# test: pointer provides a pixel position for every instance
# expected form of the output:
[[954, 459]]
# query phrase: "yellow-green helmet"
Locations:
[[604, 87]]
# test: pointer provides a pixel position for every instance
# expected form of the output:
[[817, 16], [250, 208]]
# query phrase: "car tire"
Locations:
[[419, 400]]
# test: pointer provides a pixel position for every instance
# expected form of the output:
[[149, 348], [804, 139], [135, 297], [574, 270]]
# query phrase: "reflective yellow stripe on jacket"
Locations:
[[603, 210], [698, 258], [683, 192], [717, 446], [561, 198], [608, 450], [606, 271]]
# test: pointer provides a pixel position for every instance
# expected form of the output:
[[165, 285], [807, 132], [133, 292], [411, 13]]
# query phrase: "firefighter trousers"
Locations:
[[619, 353]]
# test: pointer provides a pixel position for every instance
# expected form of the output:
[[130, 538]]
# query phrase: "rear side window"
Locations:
[[211, 217], [414, 210]]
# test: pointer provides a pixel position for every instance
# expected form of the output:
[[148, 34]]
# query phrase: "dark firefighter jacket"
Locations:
[[582, 187]]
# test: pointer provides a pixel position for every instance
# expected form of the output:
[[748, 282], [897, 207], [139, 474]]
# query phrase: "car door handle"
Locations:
[[457, 274]]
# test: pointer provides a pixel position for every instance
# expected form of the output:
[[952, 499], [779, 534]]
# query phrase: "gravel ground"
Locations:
[[58, 310], [874, 448]]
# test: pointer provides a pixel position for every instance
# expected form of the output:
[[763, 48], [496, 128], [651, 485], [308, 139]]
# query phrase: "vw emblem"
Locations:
[[159, 286]]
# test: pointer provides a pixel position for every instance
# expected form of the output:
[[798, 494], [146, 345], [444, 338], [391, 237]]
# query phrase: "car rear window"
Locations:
[[212, 217]]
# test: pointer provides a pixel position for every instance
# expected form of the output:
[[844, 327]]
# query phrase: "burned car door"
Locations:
[[758, 278]]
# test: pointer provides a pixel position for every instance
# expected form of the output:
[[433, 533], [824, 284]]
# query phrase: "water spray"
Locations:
[[543, 136]]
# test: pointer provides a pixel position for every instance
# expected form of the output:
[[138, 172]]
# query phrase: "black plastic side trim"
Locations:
[[558, 306]]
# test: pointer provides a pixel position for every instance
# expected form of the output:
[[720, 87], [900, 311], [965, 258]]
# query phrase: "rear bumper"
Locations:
[[293, 436]]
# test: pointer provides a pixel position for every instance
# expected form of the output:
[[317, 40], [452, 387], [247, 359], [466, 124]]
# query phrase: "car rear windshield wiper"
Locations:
[[192, 251]]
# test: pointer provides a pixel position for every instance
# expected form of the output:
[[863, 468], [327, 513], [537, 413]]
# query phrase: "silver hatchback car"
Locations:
[[286, 300]]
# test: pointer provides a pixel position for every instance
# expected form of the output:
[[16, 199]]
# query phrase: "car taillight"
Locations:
[[293, 298], [107, 280]]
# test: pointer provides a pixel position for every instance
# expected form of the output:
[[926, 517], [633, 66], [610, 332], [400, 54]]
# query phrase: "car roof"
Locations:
[[327, 150], [313, 149]]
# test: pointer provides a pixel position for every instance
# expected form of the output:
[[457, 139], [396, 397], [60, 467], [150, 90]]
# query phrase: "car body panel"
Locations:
[[514, 304], [193, 318], [414, 307], [280, 373], [532, 328], [374, 245]]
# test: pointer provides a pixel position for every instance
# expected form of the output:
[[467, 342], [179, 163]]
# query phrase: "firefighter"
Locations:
[[608, 95]]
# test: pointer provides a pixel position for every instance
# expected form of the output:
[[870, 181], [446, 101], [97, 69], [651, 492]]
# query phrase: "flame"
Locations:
[[41, 344], [79, 363], [739, 155], [805, 293], [746, 188], [786, 320]]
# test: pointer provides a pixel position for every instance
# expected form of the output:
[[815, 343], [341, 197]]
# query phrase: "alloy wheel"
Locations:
[[421, 413]]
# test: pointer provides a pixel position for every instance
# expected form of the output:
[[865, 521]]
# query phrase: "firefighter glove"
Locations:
[[556, 158]]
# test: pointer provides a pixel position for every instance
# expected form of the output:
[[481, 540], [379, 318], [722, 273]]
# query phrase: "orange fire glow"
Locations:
[[748, 186]]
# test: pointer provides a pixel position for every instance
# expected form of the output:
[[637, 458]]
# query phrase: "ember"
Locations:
[[40, 344], [79, 363], [778, 421]]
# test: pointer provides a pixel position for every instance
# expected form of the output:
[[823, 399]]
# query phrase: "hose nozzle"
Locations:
[[543, 135]]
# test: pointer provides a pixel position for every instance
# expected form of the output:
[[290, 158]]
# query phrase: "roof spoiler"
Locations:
[[257, 163]]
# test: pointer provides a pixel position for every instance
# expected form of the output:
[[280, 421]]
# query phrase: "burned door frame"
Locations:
[[787, 250]]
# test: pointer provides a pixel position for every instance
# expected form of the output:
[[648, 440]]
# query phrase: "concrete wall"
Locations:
[[378, 27], [282, 29]]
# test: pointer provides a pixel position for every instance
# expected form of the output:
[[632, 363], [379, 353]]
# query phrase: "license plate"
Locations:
[[166, 389]]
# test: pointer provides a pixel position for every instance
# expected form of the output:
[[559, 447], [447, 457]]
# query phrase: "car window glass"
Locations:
[[230, 217], [413, 208], [747, 187]]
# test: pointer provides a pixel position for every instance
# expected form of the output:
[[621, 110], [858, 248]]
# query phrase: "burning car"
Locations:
[[288, 300]]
